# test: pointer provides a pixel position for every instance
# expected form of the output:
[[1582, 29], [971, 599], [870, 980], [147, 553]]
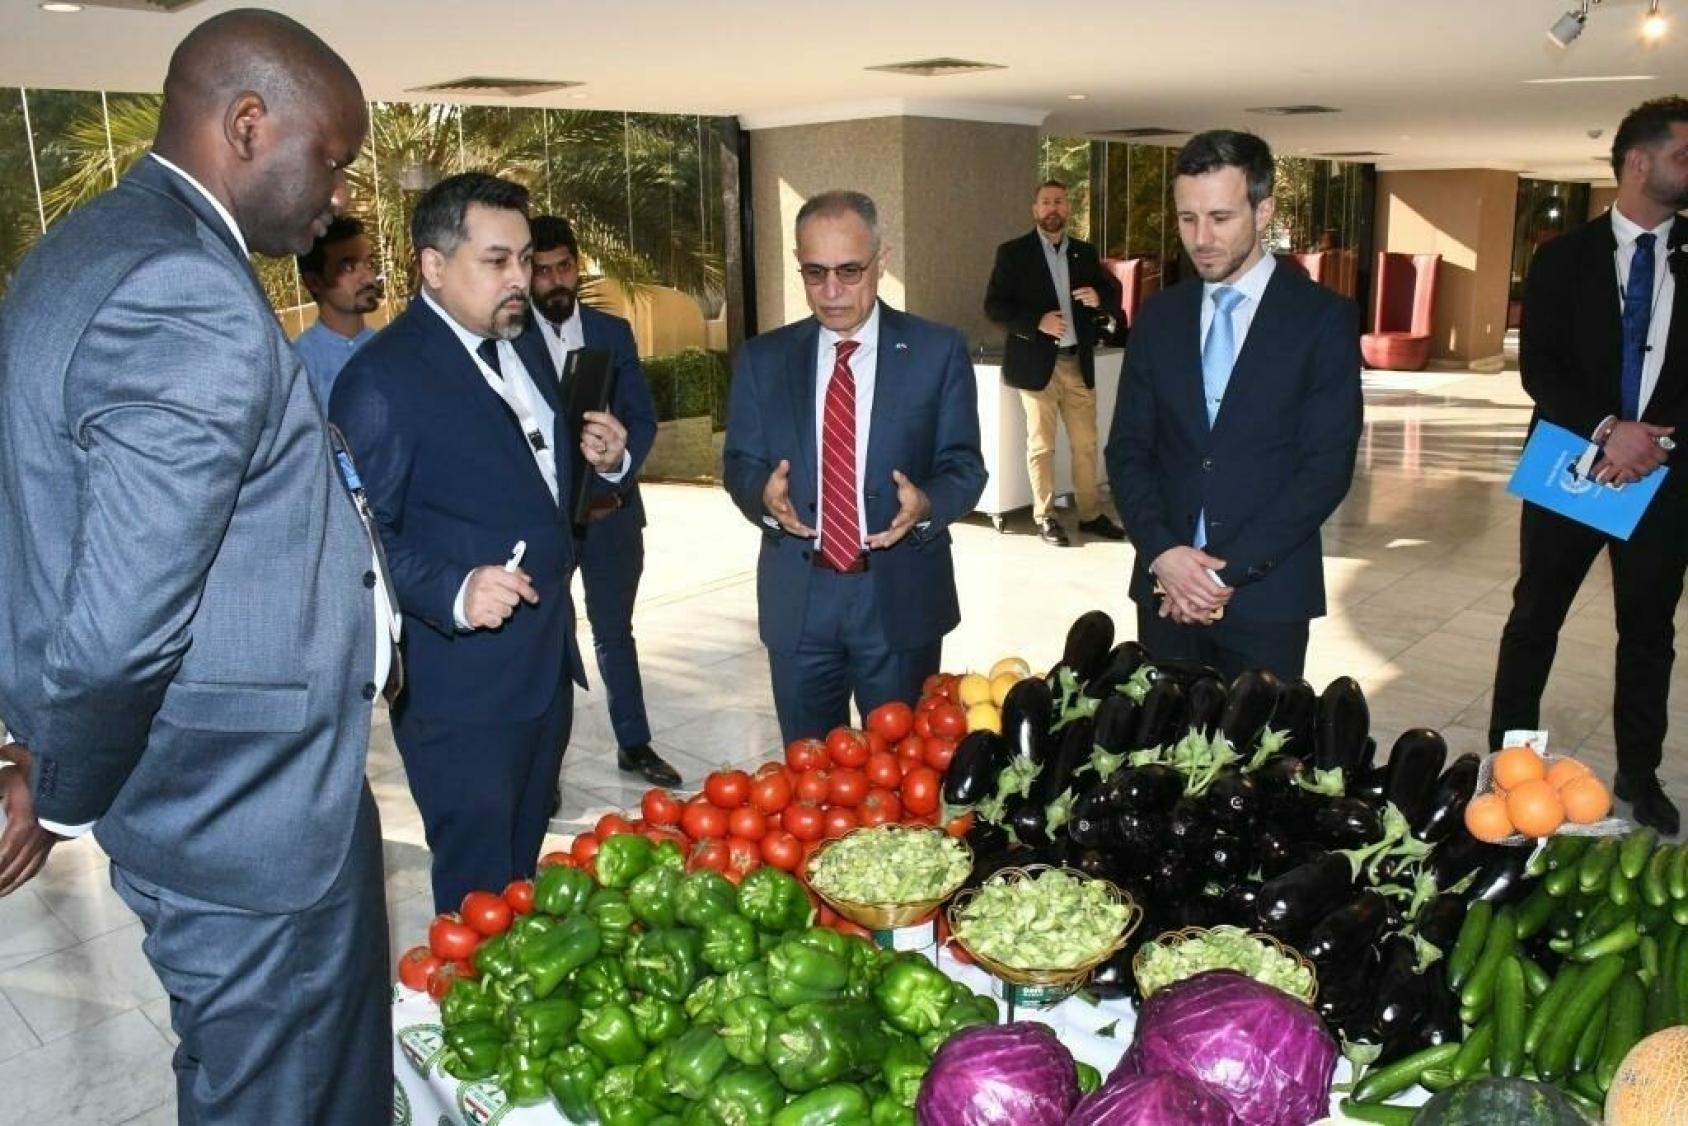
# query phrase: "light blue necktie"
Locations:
[[1219, 355]]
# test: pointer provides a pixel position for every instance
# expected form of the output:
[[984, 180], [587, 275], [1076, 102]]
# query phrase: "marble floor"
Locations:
[[1419, 562]]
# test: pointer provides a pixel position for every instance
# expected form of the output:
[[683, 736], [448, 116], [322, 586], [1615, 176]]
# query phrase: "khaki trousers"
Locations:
[[1065, 396]]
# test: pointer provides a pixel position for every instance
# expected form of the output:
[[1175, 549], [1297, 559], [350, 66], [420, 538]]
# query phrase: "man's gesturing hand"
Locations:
[[1631, 452], [25, 844], [1192, 595], [776, 499], [494, 593], [913, 506]]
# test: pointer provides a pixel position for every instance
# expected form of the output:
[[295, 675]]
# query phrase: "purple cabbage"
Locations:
[[1261, 1050], [994, 1074], [1161, 1099]]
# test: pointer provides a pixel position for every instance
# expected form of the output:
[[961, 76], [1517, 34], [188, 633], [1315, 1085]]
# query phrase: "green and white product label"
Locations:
[[422, 1044], [1030, 996], [482, 1102], [919, 938], [401, 1105]]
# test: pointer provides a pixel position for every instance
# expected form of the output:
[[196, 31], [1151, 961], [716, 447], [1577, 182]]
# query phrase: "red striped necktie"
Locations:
[[841, 537]]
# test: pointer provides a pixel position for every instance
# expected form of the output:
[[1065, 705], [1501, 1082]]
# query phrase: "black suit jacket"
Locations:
[[1570, 342], [1021, 291], [1277, 461]]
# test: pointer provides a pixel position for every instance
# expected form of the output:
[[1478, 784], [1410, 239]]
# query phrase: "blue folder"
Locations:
[[1544, 476]]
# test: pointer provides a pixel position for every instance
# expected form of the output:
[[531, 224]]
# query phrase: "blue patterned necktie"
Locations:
[[1638, 311], [1219, 356]]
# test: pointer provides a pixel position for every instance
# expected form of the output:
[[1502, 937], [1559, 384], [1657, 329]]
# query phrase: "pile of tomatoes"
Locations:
[[453, 938]]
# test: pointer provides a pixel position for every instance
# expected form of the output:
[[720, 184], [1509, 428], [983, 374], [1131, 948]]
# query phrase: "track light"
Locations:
[[1653, 28], [1567, 27]]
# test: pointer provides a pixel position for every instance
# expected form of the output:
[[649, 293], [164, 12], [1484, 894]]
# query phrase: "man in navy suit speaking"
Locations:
[[852, 444]]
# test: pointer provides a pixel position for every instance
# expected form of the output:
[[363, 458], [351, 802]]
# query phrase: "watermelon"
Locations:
[[1487, 1102]]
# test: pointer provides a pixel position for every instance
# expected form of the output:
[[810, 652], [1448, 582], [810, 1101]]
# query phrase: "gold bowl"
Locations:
[[1172, 939], [1069, 976], [884, 916]]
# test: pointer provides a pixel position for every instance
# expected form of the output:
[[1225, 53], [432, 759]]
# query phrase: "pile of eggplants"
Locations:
[[1262, 845]]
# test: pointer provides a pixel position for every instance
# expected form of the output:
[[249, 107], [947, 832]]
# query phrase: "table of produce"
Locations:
[[1121, 892]]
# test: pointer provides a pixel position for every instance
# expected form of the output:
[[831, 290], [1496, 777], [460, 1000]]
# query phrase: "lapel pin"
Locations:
[[900, 346]]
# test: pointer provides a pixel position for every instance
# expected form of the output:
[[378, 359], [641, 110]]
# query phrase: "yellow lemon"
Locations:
[[1015, 665], [984, 717], [1000, 684], [974, 689]]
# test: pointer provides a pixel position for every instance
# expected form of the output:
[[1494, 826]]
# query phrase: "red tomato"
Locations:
[[927, 703], [852, 928], [878, 744], [880, 807], [444, 974], [911, 752], [883, 770], [417, 965], [825, 916], [949, 721], [846, 746], [782, 850], [743, 857], [846, 787], [812, 785], [939, 750], [487, 912], [704, 821], [660, 807], [727, 789], [770, 792], [920, 790], [950, 688], [960, 826], [519, 895], [585, 847], [891, 721], [805, 754], [774, 820], [839, 820], [747, 822], [923, 723], [804, 821], [558, 857], [934, 684], [956, 950], [451, 938], [610, 824]]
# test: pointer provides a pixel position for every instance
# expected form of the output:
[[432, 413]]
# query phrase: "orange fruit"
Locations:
[[1515, 766], [1564, 770], [1535, 808], [1486, 817], [1585, 799]]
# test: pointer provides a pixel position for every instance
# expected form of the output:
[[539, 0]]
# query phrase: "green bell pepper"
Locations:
[[527, 927], [729, 942], [773, 900], [746, 981], [550, 957], [657, 1020], [668, 854], [744, 1096], [609, 909], [540, 1027], [766, 941], [744, 1028], [616, 1100], [495, 957], [826, 939], [800, 972], [904, 1067], [913, 994], [610, 1033], [653, 896], [652, 1084], [601, 982], [840, 1104], [823, 1042], [570, 1075], [970, 1011], [508, 992], [703, 1003], [887, 1111], [667, 1120], [664, 962], [694, 1060], [705, 896], [472, 1050], [522, 1075], [465, 1003], [1088, 1078], [561, 890], [622, 859]]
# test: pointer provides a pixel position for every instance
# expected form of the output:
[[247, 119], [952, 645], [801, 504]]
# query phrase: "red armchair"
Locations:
[[1310, 264], [1404, 303], [1138, 281]]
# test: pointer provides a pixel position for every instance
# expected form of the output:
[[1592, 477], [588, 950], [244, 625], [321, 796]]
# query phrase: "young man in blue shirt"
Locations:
[[341, 275]]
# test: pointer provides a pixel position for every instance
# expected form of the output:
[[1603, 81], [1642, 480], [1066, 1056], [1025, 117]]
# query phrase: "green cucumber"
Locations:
[[1553, 1054], [1585, 1084], [1561, 881], [1679, 873], [1536, 981], [1587, 1050], [1600, 920], [1480, 986], [1534, 913], [1403, 1073], [1548, 1007], [1597, 864], [1474, 1053], [1511, 1015], [1437, 1079], [1624, 1028], [1620, 889], [1564, 852], [1636, 849], [1621, 939], [1679, 912], [1472, 935], [1655, 880], [1379, 1114], [1659, 1004], [1649, 951]]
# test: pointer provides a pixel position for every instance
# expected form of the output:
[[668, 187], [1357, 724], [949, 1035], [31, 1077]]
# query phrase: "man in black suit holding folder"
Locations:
[[1603, 350]]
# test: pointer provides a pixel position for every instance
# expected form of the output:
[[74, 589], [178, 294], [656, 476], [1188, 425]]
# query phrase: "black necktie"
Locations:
[[488, 351]]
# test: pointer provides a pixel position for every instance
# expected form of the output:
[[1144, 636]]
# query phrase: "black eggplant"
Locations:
[[1098, 803], [1207, 703], [1232, 800], [1415, 762], [1025, 821], [1368, 754], [1297, 710], [1448, 801], [1237, 905], [1190, 826], [1501, 879], [988, 864], [1077, 742], [1401, 995], [972, 772], [1342, 724], [1113, 979], [1345, 1001], [1148, 789], [1459, 854], [1273, 852], [1088, 640], [1343, 934], [1088, 831], [1367, 783], [1249, 705], [1122, 663], [1092, 862], [1027, 712], [1169, 874], [1163, 716], [1116, 721], [1280, 799], [1439, 1023], [1138, 834], [985, 838], [1439, 920], [1224, 858], [1346, 823], [1290, 905], [1184, 673]]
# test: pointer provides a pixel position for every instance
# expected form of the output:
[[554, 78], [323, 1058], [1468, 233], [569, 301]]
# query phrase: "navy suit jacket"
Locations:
[[1277, 460], [925, 422], [454, 486]]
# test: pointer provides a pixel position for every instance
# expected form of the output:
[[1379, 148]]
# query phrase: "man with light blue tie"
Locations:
[[1235, 429]]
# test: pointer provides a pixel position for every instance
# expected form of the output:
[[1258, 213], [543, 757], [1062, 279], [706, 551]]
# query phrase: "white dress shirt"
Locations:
[[562, 339], [864, 366], [1252, 286], [1055, 257], [1663, 290]]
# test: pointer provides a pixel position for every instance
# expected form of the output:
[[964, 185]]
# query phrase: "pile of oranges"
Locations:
[[1534, 799]]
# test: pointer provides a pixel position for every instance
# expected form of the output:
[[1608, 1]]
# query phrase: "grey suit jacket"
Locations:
[[185, 608]]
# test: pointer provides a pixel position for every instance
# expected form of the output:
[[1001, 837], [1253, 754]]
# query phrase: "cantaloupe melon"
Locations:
[[1651, 1086]]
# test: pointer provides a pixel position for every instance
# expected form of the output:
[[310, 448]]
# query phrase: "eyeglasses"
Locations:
[[849, 273]]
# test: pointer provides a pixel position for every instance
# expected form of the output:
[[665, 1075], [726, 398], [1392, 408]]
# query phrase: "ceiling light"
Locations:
[[1653, 28], [1589, 78], [1567, 27], [61, 9], [1075, 97]]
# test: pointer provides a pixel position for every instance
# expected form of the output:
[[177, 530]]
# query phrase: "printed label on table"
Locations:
[[401, 1105], [921, 937], [422, 1044], [483, 1102]]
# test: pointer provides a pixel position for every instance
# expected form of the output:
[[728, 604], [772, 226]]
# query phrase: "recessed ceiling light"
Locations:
[[61, 9], [1075, 97], [1582, 78], [578, 97]]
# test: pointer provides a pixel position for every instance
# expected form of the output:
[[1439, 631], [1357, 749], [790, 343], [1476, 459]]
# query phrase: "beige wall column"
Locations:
[[1466, 216], [948, 192], [1600, 198]]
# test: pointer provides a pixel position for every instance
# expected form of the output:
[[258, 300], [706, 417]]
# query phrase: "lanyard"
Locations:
[[514, 396]]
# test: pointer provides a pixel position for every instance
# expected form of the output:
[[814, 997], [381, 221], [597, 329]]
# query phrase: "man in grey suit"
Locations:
[[193, 621]]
